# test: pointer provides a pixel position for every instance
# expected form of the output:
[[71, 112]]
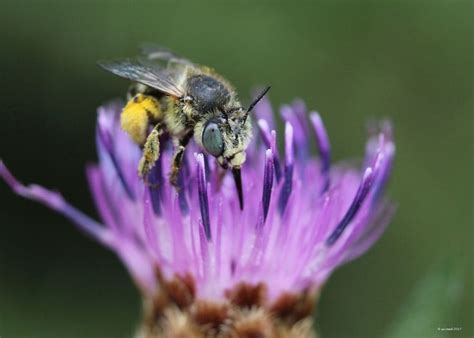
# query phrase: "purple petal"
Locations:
[[359, 198], [56, 202], [267, 182], [203, 199], [323, 147], [288, 180], [300, 136], [106, 148]]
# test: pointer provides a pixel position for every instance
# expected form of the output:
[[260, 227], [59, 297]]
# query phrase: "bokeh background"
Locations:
[[411, 61]]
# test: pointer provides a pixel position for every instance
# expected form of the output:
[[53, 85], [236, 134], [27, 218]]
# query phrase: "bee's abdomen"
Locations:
[[207, 92], [137, 114]]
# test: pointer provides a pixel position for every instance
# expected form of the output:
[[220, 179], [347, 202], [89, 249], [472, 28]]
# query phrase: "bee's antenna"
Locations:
[[257, 99]]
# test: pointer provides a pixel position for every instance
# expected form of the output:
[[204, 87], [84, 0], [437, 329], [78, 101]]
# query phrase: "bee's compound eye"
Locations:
[[212, 139]]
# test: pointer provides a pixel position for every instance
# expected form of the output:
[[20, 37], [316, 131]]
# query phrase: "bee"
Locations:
[[170, 94]]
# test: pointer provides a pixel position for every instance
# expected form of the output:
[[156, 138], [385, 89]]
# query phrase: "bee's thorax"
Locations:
[[207, 93]]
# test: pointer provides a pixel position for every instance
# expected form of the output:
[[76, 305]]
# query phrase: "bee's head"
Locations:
[[226, 136]]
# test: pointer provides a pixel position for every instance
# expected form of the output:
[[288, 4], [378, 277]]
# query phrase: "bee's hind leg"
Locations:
[[151, 152], [178, 158]]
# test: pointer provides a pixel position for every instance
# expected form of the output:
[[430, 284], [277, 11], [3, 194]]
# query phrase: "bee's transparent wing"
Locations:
[[156, 52], [148, 74]]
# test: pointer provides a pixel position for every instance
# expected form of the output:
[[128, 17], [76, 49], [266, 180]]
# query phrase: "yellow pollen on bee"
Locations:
[[136, 115]]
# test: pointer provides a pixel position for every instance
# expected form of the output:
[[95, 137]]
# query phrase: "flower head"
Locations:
[[200, 261]]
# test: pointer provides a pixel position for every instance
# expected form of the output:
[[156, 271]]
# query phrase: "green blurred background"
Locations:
[[352, 61]]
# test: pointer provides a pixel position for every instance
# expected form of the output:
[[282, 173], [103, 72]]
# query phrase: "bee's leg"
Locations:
[[137, 115], [151, 152], [178, 158]]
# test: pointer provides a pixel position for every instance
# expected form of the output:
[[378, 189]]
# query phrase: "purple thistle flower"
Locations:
[[205, 265]]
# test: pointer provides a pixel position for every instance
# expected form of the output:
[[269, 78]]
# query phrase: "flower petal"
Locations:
[[56, 202]]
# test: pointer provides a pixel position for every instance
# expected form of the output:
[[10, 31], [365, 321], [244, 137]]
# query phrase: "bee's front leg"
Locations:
[[178, 158], [151, 152]]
